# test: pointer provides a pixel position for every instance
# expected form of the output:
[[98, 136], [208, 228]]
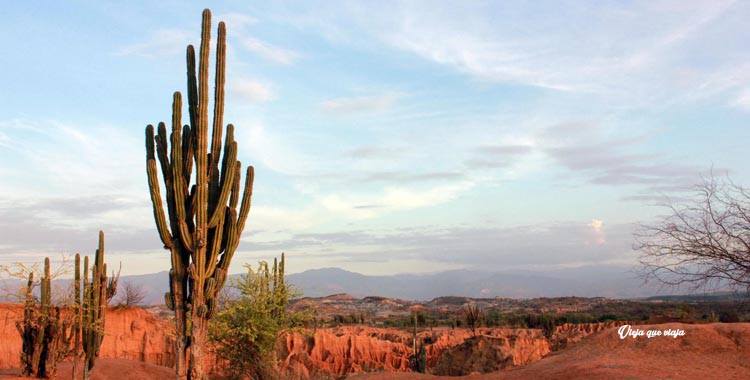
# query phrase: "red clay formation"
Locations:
[[139, 339]]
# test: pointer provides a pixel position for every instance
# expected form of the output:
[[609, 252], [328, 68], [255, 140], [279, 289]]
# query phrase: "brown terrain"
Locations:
[[711, 351], [138, 340]]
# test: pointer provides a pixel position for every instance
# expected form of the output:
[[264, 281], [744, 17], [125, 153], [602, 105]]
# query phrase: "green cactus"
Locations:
[[77, 316], [45, 336], [48, 338], [96, 296], [202, 226]]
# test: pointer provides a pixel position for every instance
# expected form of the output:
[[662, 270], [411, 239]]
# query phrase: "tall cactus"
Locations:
[[202, 227]]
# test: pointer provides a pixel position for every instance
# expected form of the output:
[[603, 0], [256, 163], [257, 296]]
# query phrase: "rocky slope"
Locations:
[[711, 351], [138, 335], [133, 334]]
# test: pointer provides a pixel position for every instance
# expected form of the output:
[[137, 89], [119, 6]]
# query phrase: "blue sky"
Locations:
[[387, 137]]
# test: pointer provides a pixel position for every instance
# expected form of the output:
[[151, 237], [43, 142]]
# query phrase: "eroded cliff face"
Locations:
[[570, 333], [133, 334], [352, 349], [137, 334]]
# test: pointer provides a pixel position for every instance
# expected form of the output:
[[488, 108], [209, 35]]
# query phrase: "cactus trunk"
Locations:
[[202, 225]]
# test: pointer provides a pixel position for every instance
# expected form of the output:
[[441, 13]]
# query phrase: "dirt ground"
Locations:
[[107, 369], [713, 351]]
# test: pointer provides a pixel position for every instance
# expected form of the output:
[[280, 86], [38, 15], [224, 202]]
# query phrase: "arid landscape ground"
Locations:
[[139, 342]]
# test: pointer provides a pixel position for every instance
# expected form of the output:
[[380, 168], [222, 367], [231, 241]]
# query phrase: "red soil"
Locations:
[[353, 349], [705, 352], [107, 369], [133, 334], [714, 351]]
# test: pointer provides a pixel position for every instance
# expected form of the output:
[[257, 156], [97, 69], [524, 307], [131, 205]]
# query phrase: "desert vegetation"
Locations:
[[203, 226], [245, 332], [51, 333]]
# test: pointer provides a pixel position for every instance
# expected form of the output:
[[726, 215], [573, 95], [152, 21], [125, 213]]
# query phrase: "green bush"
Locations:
[[245, 332]]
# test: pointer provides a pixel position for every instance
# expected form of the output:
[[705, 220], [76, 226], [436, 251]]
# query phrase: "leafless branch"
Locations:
[[703, 241]]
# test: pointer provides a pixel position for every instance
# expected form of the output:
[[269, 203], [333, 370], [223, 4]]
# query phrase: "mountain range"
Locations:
[[588, 281]]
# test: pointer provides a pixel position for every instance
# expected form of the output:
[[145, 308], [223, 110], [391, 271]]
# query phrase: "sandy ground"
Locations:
[[107, 369]]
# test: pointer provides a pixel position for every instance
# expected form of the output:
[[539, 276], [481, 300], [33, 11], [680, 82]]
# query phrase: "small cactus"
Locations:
[[96, 296], [47, 338]]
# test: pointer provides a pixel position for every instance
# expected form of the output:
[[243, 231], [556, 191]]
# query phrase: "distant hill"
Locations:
[[613, 282], [707, 297], [591, 281]]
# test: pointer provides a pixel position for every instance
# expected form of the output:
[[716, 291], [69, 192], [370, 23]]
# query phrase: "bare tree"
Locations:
[[473, 315], [13, 278], [132, 295], [703, 241]]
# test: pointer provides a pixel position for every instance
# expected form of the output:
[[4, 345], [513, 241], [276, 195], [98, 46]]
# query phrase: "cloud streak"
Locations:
[[360, 104]]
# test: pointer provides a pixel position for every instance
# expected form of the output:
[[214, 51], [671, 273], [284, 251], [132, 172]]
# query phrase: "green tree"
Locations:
[[245, 332]]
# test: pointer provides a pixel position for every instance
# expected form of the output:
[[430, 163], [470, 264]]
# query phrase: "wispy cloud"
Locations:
[[269, 51], [373, 152], [252, 90], [163, 42], [393, 198], [497, 156], [742, 100], [586, 148], [360, 104], [539, 246], [642, 53], [406, 177]]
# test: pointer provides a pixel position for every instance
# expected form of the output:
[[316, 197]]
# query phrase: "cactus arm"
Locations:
[[232, 240], [201, 164], [153, 185], [179, 186], [226, 187], [187, 153], [215, 248], [192, 91], [161, 154], [219, 77], [235, 196], [246, 198]]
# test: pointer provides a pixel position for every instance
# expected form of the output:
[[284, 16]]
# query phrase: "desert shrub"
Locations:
[[729, 316], [245, 332]]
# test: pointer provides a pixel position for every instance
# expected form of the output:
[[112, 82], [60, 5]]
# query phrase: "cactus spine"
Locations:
[[202, 227]]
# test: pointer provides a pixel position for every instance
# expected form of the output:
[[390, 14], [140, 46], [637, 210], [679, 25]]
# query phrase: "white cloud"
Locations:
[[597, 232], [252, 90], [161, 43], [54, 157], [639, 53], [237, 21], [392, 199], [269, 51], [360, 104], [742, 100]]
